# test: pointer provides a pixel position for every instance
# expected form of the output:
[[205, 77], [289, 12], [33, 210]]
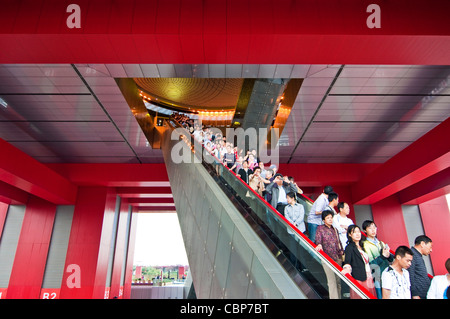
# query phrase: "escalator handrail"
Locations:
[[321, 253]]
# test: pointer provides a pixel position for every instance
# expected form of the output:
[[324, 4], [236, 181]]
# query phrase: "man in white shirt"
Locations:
[[439, 284], [341, 222], [315, 214], [395, 279]]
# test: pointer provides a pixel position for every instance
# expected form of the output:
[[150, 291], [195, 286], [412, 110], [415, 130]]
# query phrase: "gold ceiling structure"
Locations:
[[201, 94]]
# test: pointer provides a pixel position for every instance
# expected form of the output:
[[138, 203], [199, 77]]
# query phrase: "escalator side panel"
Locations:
[[227, 259]]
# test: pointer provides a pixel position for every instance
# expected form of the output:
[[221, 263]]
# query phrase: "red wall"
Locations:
[[388, 216], [436, 223]]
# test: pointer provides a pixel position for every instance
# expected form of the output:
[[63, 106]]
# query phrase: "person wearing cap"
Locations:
[[278, 190]]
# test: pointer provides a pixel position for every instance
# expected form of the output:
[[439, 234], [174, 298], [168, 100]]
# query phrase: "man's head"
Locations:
[[333, 199], [343, 208], [370, 228], [423, 244], [273, 167], [403, 256], [278, 179], [447, 265], [327, 190]]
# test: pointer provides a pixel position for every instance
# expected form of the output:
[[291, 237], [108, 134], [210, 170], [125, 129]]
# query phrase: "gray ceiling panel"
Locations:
[[367, 114]]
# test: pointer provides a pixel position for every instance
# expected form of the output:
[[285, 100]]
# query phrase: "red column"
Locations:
[[32, 249], [3, 212], [436, 223], [130, 256], [88, 249], [388, 216], [119, 255]]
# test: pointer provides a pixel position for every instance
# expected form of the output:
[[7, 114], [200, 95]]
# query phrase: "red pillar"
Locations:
[[3, 211], [436, 223], [32, 249], [88, 250], [388, 216], [130, 257], [119, 254]]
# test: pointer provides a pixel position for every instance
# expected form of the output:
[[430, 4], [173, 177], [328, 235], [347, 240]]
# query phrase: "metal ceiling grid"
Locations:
[[343, 114]]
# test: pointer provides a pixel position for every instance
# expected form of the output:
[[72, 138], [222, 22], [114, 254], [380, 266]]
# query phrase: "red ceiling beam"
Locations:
[[155, 209], [139, 195], [154, 212], [115, 175], [254, 31], [150, 200], [12, 195], [430, 188], [427, 156], [131, 191], [169, 206], [319, 175], [25, 173]]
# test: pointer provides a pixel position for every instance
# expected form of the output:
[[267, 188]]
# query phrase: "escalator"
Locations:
[[237, 244]]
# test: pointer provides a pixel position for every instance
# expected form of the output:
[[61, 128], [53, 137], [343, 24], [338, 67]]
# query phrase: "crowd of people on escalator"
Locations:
[[399, 275], [385, 274]]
